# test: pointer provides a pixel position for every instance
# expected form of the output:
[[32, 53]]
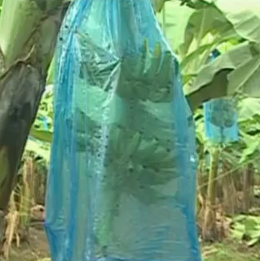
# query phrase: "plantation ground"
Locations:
[[230, 251], [38, 250]]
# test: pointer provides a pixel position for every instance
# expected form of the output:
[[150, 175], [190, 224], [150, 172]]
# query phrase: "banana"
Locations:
[[109, 207], [158, 156], [141, 91], [156, 159], [167, 69], [160, 94], [144, 76], [132, 147], [150, 177], [141, 64], [121, 141], [114, 145], [147, 195], [167, 162], [155, 62], [147, 151], [146, 49]]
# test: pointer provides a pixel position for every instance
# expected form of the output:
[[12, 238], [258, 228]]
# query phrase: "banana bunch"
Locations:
[[138, 162], [138, 150], [145, 76], [133, 167], [222, 113], [134, 164], [139, 146], [134, 161], [148, 76]]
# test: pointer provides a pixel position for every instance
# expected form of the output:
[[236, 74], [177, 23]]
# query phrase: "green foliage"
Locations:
[[232, 28], [248, 147], [249, 122], [16, 27], [244, 16], [176, 20], [246, 227], [245, 71], [198, 28], [42, 128], [195, 30], [229, 251]]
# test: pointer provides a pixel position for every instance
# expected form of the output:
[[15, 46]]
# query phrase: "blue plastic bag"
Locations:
[[122, 182], [221, 120]]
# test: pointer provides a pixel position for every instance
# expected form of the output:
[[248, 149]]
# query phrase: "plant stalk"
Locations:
[[209, 231], [27, 40]]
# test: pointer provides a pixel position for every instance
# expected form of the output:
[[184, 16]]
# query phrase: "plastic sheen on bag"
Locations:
[[122, 182]]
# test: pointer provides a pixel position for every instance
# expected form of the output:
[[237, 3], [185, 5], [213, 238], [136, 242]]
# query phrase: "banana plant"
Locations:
[[237, 70], [196, 28], [28, 33]]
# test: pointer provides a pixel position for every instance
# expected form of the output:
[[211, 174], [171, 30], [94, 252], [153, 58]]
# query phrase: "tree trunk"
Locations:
[[200, 207], [209, 230], [26, 197], [248, 188], [26, 56], [229, 193]]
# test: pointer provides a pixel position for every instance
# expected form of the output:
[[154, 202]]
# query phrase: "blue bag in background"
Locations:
[[122, 182], [221, 120]]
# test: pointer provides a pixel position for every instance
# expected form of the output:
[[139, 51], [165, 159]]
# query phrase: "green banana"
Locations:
[[145, 152], [131, 148], [159, 155], [155, 62], [143, 77], [141, 64]]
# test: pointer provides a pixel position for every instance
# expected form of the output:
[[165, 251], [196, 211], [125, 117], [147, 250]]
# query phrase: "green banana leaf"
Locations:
[[176, 20], [237, 70], [202, 22], [248, 108], [244, 16], [246, 78], [41, 134], [213, 79]]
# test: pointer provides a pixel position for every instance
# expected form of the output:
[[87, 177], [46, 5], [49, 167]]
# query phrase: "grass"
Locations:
[[230, 251]]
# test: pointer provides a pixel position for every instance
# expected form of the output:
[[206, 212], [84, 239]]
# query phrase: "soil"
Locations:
[[37, 249], [231, 251]]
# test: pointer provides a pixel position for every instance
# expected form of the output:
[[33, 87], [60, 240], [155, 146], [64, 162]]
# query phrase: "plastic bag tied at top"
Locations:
[[122, 181]]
